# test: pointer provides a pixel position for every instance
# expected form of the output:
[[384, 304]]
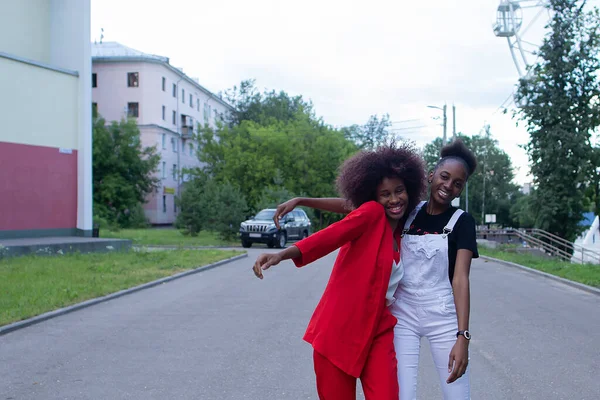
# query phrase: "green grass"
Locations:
[[32, 285], [167, 237], [588, 274]]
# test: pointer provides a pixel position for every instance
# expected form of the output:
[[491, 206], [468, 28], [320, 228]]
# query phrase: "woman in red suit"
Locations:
[[351, 330]]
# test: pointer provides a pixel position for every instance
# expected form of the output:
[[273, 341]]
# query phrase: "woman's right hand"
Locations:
[[283, 209]]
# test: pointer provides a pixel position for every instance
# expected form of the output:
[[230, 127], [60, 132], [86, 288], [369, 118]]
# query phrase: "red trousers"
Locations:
[[379, 376]]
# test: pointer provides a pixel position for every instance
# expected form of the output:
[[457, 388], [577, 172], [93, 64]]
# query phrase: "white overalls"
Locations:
[[424, 306]]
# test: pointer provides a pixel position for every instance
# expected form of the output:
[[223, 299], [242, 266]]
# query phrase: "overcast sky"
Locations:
[[351, 58]]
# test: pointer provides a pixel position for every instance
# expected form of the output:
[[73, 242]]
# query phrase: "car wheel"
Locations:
[[246, 244], [304, 235], [281, 240]]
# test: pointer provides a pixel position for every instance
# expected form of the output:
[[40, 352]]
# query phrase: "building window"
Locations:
[[164, 84], [183, 96], [164, 169], [164, 203], [191, 149], [133, 109], [164, 141], [133, 79], [164, 113], [174, 145], [191, 101], [94, 110], [198, 104], [174, 171], [174, 117], [94, 80], [174, 90]]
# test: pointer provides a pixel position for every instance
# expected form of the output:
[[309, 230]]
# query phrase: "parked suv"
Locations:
[[262, 229]]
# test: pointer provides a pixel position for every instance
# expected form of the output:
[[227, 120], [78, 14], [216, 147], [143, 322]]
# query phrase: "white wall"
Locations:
[[24, 29]]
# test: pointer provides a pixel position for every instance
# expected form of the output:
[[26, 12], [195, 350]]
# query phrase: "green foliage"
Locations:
[[209, 206], [370, 135], [523, 213], [123, 173], [559, 105], [264, 108], [196, 203], [301, 154], [493, 164]]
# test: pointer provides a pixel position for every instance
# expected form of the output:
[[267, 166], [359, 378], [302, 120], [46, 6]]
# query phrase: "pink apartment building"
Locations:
[[168, 106]]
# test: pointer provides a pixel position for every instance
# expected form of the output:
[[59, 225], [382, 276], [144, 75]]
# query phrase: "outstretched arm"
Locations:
[[331, 204], [265, 261]]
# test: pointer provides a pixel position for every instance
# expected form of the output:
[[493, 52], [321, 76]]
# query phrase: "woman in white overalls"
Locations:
[[433, 298]]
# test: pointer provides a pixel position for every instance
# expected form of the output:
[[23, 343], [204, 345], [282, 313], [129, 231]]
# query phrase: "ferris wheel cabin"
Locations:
[[508, 19]]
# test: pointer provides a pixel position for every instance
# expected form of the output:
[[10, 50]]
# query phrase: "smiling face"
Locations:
[[447, 182], [392, 195]]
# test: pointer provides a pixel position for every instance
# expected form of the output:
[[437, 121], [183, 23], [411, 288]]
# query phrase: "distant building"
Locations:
[[168, 106], [526, 188], [46, 134]]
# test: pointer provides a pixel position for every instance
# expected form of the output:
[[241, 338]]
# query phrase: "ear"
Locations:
[[430, 177]]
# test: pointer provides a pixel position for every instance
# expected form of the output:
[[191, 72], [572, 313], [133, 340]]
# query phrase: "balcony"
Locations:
[[187, 132]]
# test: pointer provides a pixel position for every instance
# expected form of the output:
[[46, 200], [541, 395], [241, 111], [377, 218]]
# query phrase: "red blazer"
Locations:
[[345, 320]]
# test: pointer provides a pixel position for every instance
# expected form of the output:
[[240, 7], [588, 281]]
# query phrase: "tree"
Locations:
[[559, 106], [493, 164], [122, 171], [370, 135], [263, 108], [209, 206], [300, 155]]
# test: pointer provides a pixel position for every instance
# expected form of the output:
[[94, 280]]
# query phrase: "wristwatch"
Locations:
[[465, 333]]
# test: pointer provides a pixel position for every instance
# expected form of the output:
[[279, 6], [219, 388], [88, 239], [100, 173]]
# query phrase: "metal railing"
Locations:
[[551, 244]]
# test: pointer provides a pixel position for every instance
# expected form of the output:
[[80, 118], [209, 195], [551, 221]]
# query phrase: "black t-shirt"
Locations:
[[462, 236]]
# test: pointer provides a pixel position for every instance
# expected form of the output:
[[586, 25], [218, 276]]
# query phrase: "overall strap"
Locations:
[[411, 217], [450, 225]]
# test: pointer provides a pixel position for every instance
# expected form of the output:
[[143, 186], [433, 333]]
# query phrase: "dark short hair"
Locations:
[[361, 174], [458, 151]]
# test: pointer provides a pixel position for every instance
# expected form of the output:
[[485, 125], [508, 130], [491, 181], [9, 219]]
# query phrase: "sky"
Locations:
[[351, 58]]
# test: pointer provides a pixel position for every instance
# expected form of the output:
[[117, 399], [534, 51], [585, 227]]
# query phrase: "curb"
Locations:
[[62, 311], [581, 286], [174, 247]]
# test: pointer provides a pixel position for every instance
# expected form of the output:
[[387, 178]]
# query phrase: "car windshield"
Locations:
[[265, 215]]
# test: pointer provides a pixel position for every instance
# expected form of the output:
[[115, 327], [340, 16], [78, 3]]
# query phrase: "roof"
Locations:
[[116, 52]]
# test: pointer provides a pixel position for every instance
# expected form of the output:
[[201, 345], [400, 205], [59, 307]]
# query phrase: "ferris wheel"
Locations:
[[509, 25]]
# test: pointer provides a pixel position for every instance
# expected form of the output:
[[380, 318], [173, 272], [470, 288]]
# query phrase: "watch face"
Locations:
[[467, 335]]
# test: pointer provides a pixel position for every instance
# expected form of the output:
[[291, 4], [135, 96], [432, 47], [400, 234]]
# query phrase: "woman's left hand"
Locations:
[[459, 359]]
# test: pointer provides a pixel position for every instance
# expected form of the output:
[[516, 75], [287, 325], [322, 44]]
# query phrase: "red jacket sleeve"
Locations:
[[336, 235]]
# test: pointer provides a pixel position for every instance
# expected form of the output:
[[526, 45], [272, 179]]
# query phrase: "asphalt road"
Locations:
[[223, 334]]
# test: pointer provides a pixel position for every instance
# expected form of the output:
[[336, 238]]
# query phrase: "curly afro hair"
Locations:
[[362, 173], [457, 150]]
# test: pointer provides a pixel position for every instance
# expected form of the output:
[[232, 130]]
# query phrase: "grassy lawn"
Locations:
[[32, 285], [167, 237], [588, 274]]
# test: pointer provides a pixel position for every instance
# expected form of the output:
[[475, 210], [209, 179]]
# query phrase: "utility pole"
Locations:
[[453, 121], [486, 139], [445, 124], [454, 138]]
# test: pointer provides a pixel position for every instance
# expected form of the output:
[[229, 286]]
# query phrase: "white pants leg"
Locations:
[[440, 326], [407, 342], [437, 321]]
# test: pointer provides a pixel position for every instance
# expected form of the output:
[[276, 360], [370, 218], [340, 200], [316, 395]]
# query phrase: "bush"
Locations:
[[207, 205]]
